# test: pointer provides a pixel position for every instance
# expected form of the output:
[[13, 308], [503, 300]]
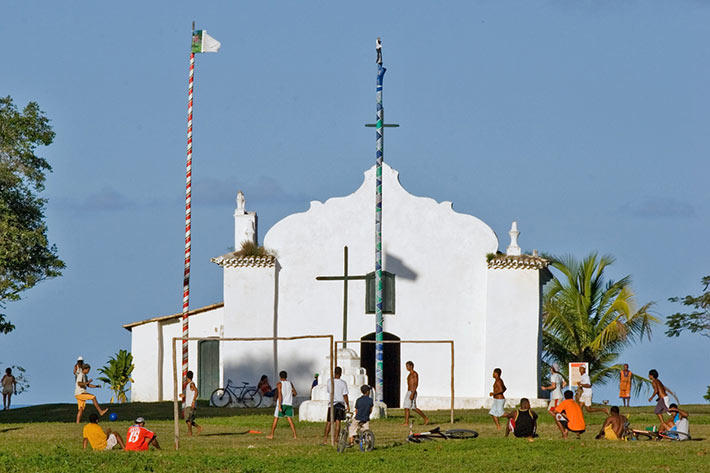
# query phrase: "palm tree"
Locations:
[[117, 373], [586, 318]]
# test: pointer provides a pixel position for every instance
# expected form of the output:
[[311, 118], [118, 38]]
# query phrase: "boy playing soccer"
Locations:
[[284, 404], [498, 398], [363, 409], [189, 399], [82, 382]]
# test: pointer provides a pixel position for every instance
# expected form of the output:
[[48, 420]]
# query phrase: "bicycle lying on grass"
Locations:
[[249, 396], [654, 435], [437, 433], [365, 439]]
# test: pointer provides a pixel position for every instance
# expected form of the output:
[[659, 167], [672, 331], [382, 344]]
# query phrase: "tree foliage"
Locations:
[[696, 321], [117, 373], [588, 318], [26, 257]]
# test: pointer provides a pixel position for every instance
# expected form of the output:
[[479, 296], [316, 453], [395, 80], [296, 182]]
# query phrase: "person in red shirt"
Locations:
[[139, 438], [572, 420]]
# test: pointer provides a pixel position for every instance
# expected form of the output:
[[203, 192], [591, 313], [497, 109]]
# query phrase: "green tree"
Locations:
[[588, 318], [117, 373], [696, 321], [26, 257]]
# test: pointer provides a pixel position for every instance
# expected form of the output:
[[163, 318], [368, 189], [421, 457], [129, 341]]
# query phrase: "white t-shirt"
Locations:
[[341, 389], [557, 392], [80, 378], [189, 395], [584, 379], [286, 393]]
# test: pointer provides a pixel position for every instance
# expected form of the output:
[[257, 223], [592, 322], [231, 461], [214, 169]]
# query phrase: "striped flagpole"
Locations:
[[379, 129], [188, 221]]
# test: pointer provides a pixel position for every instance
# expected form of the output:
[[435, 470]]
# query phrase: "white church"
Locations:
[[446, 278]]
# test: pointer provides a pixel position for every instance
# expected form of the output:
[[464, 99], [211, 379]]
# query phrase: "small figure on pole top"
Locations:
[[241, 203], [378, 48]]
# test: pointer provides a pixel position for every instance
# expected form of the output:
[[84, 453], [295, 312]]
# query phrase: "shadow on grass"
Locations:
[[9, 429], [128, 411]]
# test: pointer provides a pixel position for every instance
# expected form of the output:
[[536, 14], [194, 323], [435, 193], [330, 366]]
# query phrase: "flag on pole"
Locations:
[[204, 43]]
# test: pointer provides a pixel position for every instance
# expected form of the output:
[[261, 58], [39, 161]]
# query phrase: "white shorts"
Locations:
[[111, 441], [497, 408], [410, 403], [586, 399]]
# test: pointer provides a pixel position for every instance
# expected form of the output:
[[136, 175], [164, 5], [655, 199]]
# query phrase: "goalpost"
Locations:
[[449, 342], [176, 410]]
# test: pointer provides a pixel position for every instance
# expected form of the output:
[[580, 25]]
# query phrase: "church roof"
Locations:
[[501, 261], [163, 318], [233, 260]]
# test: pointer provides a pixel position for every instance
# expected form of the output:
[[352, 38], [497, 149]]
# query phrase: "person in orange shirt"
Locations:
[[625, 385], [569, 417], [139, 438]]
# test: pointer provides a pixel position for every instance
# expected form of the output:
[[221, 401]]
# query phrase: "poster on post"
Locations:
[[574, 376]]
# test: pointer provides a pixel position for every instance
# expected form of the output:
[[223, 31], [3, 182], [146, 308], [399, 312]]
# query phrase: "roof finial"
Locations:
[[241, 203], [513, 248]]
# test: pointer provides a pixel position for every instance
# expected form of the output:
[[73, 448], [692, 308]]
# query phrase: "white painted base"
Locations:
[[316, 411], [433, 403]]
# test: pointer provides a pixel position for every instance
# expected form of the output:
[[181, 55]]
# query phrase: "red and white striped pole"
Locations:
[[188, 220]]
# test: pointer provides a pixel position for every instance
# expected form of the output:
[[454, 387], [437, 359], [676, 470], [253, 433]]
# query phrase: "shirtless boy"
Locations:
[[498, 398], [410, 399], [660, 390], [613, 427]]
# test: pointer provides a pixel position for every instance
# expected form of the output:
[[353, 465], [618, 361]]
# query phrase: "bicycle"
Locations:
[[365, 439], [250, 396], [655, 435], [437, 433]]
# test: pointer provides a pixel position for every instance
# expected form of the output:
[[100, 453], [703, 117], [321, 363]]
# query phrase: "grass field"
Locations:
[[44, 438]]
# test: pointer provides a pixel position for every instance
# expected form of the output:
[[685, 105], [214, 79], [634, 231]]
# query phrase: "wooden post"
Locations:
[[176, 412], [332, 391], [452, 382]]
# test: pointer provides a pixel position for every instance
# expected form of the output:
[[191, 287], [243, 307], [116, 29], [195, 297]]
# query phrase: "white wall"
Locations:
[[513, 330], [145, 348], [438, 255]]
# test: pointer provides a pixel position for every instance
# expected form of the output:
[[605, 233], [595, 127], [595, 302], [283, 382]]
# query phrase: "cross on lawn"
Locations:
[[345, 278]]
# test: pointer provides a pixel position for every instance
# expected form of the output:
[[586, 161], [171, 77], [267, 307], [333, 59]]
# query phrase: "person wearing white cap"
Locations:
[[79, 365], [557, 382], [139, 438]]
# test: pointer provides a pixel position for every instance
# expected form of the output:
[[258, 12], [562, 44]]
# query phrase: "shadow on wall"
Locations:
[[396, 266], [250, 369]]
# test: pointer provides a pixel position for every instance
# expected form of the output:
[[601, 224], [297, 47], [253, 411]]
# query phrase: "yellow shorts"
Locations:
[[82, 398]]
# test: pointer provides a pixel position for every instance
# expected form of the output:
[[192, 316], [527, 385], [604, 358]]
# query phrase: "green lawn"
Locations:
[[44, 438]]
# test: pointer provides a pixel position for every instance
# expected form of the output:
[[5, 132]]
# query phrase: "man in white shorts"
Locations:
[[410, 399], [100, 440], [585, 384]]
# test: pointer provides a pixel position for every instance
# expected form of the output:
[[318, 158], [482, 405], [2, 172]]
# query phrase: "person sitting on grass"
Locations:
[[83, 382], [569, 416], [100, 440], [138, 438], [265, 387], [522, 422], [677, 426], [363, 409], [614, 425], [284, 404]]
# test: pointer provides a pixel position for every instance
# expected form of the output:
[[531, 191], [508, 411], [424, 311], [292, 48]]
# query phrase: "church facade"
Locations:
[[445, 280]]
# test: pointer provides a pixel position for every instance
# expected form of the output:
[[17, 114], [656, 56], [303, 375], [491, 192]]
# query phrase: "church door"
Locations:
[[391, 366], [208, 371]]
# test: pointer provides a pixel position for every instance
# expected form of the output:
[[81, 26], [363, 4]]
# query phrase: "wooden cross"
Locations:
[[345, 278]]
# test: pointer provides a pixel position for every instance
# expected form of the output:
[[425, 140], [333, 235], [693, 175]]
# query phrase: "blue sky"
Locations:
[[586, 121]]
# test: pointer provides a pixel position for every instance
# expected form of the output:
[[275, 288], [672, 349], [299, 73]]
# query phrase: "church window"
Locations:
[[387, 293]]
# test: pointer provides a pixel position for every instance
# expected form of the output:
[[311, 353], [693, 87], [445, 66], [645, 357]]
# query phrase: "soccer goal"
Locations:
[[176, 408], [446, 342]]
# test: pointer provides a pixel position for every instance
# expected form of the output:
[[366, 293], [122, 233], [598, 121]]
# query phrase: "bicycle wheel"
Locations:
[[251, 398], [461, 434], [343, 439], [220, 398], [367, 441]]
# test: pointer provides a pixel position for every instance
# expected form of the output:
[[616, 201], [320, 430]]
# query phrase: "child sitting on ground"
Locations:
[[363, 409], [522, 422], [614, 426]]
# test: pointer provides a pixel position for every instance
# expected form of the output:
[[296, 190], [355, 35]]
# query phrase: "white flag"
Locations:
[[204, 43]]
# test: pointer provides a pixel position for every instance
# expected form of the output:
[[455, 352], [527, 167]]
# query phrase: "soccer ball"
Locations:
[[113, 417]]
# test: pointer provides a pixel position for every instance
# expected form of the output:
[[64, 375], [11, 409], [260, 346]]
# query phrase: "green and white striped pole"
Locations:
[[379, 129]]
